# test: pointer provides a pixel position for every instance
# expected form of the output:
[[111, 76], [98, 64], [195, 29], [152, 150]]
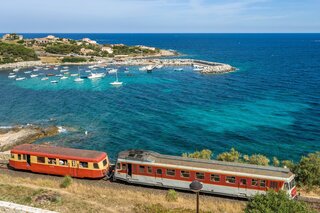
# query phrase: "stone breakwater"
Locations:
[[207, 67], [21, 64]]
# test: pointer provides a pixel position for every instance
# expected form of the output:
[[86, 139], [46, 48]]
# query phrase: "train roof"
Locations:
[[227, 167], [59, 152]]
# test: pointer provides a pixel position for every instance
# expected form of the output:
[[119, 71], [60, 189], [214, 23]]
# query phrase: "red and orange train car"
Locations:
[[59, 161]]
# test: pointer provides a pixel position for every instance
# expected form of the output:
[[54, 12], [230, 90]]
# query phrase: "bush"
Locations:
[[72, 59], [232, 156], [58, 48], [203, 154], [308, 170], [10, 53], [258, 159], [171, 195], [67, 181], [276, 202]]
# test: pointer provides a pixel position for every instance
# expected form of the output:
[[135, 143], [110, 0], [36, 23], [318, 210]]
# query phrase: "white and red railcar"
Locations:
[[217, 177]]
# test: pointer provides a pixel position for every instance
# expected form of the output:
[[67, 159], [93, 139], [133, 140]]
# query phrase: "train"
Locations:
[[150, 168]]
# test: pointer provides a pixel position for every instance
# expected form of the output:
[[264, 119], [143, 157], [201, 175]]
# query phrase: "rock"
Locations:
[[24, 134]]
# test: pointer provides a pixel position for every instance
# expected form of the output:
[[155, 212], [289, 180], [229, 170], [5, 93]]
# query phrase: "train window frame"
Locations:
[[263, 183], [200, 175], [231, 179], [215, 178], [118, 166], [96, 166], [149, 169], [104, 162], [24, 157], [83, 164], [243, 182], [124, 166], [171, 172], [274, 185], [255, 182], [286, 186], [19, 156], [157, 171], [52, 161], [12, 156], [185, 174], [142, 169], [41, 159]]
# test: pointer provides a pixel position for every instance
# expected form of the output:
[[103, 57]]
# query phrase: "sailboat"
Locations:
[[78, 79], [116, 82]]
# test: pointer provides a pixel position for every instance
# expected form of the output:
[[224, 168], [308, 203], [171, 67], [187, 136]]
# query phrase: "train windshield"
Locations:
[[292, 184]]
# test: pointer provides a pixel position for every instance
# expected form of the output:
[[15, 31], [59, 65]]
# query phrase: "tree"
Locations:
[[276, 202], [232, 156], [308, 170], [259, 159], [203, 154], [275, 161]]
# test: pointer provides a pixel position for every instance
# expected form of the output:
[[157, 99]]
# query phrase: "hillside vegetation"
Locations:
[[10, 53]]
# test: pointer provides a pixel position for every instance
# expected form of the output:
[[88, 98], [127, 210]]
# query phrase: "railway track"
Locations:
[[4, 164]]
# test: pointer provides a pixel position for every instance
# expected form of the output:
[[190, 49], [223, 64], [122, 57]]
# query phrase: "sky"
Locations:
[[159, 16]]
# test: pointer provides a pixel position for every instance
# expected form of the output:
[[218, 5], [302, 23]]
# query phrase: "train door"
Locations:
[[74, 168], [243, 187], [158, 176], [129, 171], [28, 160]]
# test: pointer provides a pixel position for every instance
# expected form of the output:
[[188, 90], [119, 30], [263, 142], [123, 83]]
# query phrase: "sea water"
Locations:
[[270, 105]]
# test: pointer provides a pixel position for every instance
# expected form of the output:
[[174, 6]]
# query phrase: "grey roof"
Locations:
[[154, 157]]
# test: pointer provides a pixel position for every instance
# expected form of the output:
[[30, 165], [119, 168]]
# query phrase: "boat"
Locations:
[[59, 75], [74, 74], [197, 69], [143, 68], [33, 75], [44, 78], [88, 71], [159, 66], [178, 69], [66, 67], [50, 74], [116, 82], [27, 72], [46, 68], [11, 76], [78, 79], [56, 68], [64, 77], [112, 71], [64, 70], [54, 82], [16, 70], [96, 75], [36, 69], [20, 78]]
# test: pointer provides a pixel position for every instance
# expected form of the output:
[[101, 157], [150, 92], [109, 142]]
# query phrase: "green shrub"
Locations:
[[67, 181], [232, 156], [10, 53], [258, 159], [171, 195], [203, 154], [275, 161], [72, 59], [308, 170], [276, 202]]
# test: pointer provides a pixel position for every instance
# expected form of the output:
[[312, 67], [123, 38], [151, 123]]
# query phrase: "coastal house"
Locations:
[[51, 37], [42, 41], [85, 51], [146, 48], [12, 36], [88, 40], [107, 49]]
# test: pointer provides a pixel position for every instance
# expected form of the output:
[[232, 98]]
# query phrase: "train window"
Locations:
[[171, 172], [185, 174], [82, 164], [273, 185], [254, 182], [141, 169], [243, 182], [262, 183], [292, 184], [51, 161], [118, 165], [12, 156], [149, 169], [104, 162], [200, 175], [95, 165], [231, 179], [124, 166], [159, 171], [215, 178], [41, 159], [286, 187], [19, 157], [24, 157]]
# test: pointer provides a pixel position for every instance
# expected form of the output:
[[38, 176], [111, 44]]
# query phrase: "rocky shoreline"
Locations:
[[12, 136]]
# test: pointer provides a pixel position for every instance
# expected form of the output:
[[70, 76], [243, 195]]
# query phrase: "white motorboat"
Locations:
[[178, 69], [55, 68], [54, 82], [88, 71], [197, 69], [27, 72], [59, 75], [116, 82], [46, 68], [20, 79], [11, 76], [64, 77], [96, 75], [16, 70], [159, 66], [66, 67], [64, 70], [78, 79], [36, 69], [33, 75], [44, 78], [74, 74], [143, 68], [112, 71], [11, 73]]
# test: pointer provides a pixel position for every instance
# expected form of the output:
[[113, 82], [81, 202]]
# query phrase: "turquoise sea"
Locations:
[[271, 105]]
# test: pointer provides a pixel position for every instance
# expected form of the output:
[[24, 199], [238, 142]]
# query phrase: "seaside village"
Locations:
[[54, 56]]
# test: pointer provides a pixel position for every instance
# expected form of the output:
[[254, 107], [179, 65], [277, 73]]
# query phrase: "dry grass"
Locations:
[[80, 197], [309, 192], [49, 60]]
